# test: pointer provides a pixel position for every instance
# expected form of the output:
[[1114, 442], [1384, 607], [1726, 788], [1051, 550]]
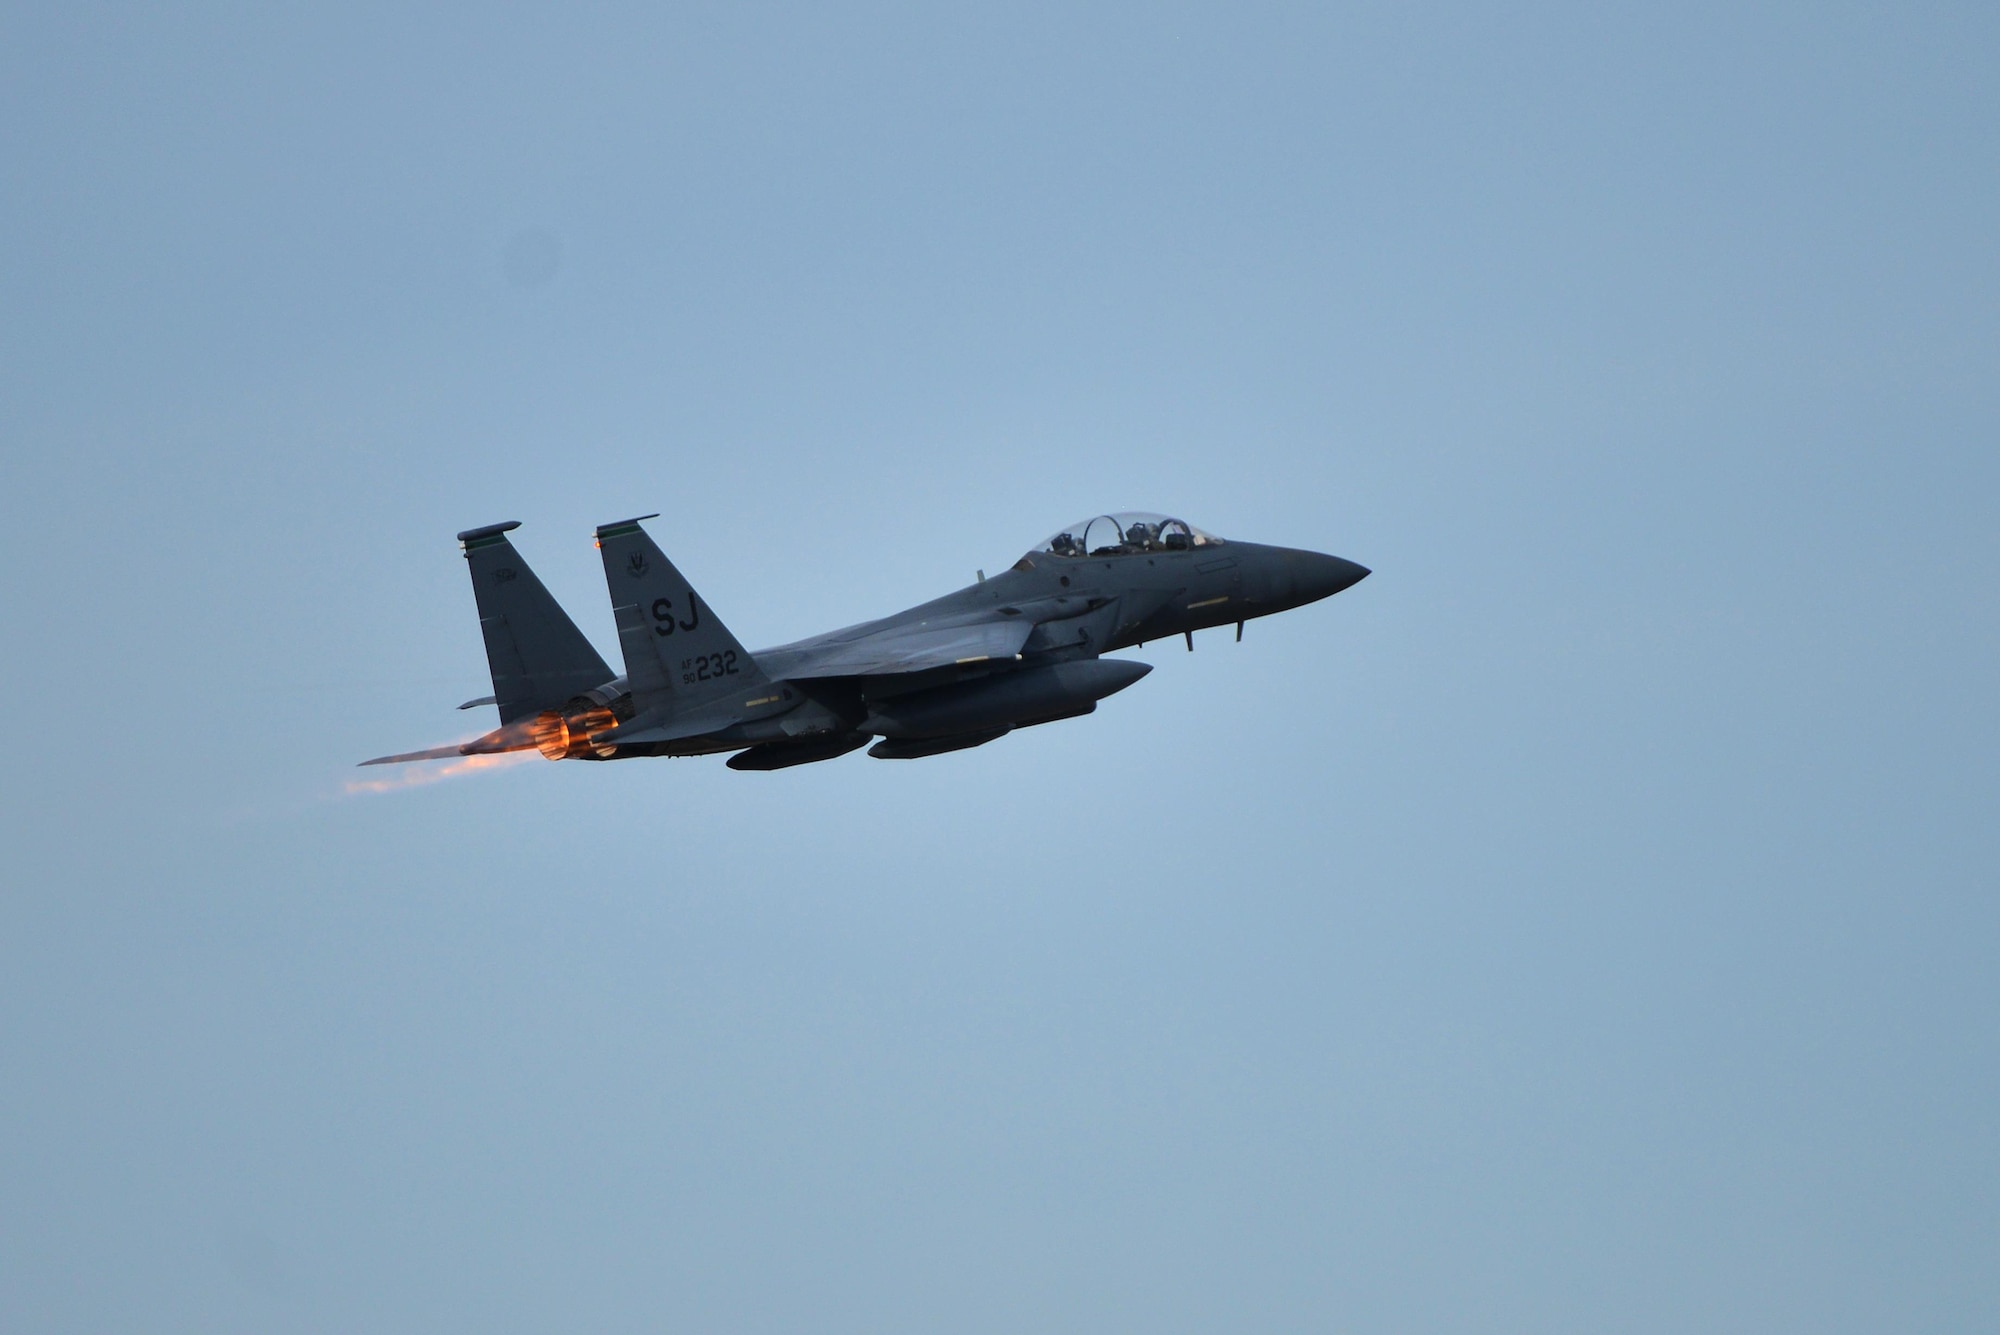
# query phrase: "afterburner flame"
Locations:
[[419, 774], [561, 736]]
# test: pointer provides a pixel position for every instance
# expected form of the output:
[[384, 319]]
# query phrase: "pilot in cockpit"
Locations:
[[1140, 536]]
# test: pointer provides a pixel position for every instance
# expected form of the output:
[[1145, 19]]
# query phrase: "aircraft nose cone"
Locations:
[[1316, 575]]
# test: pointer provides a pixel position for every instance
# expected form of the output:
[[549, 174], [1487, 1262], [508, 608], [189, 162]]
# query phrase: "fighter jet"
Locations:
[[1022, 648]]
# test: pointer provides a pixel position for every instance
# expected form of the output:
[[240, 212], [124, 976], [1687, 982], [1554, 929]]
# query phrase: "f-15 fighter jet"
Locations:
[[1022, 648]]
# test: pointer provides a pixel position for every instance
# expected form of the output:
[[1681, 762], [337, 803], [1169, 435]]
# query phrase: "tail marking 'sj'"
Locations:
[[678, 655]]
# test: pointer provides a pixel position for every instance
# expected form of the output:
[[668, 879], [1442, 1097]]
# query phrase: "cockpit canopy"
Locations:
[[1127, 533]]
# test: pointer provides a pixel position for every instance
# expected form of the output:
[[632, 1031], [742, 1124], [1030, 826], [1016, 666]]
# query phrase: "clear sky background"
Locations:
[[1587, 923]]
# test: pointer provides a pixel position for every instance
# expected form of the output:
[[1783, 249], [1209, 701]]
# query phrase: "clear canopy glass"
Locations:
[[1127, 533]]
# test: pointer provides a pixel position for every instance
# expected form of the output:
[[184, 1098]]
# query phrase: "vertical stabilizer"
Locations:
[[538, 656], [678, 654]]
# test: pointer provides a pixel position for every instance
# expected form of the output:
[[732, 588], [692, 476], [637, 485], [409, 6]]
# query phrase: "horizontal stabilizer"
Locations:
[[508, 737], [435, 753]]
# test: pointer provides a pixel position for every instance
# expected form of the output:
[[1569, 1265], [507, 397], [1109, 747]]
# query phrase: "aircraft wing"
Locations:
[[885, 650]]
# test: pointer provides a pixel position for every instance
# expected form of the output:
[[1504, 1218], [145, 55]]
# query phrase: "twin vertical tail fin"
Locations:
[[679, 657], [686, 672], [540, 660]]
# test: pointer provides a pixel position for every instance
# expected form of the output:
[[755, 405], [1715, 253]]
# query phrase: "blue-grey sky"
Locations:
[[1587, 923]]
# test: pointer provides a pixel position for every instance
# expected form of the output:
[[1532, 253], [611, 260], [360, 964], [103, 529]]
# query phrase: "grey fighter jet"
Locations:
[[1022, 648]]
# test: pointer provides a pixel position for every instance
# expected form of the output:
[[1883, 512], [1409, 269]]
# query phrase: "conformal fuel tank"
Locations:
[[1030, 695]]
